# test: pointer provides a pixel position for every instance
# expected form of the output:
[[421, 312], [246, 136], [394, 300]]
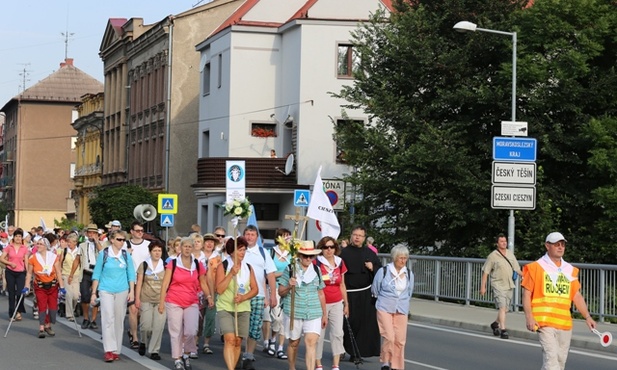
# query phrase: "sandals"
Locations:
[[271, 348], [206, 350], [280, 354], [134, 343], [18, 317]]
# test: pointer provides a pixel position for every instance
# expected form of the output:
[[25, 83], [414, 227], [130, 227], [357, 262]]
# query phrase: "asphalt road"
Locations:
[[428, 347]]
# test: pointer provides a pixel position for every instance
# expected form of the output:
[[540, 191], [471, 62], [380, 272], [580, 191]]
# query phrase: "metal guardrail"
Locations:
[[458, 279]]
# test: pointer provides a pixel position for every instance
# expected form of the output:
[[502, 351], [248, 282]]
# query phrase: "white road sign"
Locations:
[[514, 173], [509, 128], [512, 197]]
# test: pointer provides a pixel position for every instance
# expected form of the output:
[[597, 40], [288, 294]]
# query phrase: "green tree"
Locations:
[[435, 99], [117, 203]]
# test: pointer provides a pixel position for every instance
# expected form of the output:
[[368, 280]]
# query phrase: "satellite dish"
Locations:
[[289, 165]]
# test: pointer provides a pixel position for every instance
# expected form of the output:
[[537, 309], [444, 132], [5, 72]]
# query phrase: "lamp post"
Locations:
[[465, 26]]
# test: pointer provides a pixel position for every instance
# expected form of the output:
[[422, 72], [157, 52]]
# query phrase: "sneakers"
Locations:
[[247, 364], [50, 331], [116, 356], [93, 325], [109, 357], [495, 327], [206, 350], [85, 324], [178, 365], [155, 356], [193, 355], [504, 334], [41, 334], [187, 362]]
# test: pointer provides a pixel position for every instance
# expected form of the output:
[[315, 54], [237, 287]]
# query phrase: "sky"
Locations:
[[32, 40]]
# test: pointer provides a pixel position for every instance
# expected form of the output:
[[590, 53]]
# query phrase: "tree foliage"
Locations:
[[118, 203], [436, 98]]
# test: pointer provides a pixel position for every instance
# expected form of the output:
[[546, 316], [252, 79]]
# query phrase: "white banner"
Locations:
[[235, 174], [321, 209]]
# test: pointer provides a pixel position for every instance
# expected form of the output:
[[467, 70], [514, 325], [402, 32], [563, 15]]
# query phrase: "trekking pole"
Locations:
[[73, 316], [354, 344], [21, 298]]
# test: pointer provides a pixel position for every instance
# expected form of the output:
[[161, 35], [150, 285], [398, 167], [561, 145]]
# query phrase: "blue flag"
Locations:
[[252, 220]]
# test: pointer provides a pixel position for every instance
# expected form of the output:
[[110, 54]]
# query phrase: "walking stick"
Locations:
[[236, 277], [21, 298], [354, 345], [74, 320]]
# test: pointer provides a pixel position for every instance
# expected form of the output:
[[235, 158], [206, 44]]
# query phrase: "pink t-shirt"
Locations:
[[372, 247], [184, 285], [16, 257]]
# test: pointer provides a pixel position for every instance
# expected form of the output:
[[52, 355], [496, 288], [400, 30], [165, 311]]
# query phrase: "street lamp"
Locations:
[[465, 26]]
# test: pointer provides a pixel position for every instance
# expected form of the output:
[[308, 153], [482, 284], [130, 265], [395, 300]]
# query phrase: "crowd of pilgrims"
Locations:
[[199, 285]]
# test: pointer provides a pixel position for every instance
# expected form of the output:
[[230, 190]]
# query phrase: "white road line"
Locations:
[[514, 341], [425, 365]]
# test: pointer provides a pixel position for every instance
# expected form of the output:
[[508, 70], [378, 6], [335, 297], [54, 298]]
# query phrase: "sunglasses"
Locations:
[[138, 230], [220, 236], [120, 239], [329, 247], [305, 256]]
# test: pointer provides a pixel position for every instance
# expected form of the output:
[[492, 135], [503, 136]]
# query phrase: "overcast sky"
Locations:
[[31, 35]]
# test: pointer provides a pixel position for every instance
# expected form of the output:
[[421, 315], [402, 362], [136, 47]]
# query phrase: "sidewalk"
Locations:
[[479, 319]]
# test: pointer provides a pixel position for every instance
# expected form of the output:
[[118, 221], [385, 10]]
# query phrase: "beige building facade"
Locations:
[[38, 147], [88, 153], [151, 109]]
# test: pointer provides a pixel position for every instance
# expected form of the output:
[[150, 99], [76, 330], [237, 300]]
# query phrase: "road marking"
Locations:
[[425, 365], [484, 336]]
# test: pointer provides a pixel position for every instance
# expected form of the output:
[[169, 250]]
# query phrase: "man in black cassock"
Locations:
[[362, 263]]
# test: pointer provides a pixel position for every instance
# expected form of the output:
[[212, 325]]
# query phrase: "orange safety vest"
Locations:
[[550, 303]]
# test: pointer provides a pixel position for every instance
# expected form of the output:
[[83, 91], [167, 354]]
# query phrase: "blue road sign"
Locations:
[[514, 149], [167, 220], [301, 198]]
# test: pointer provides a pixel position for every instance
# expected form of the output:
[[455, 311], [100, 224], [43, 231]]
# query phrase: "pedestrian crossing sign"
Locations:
[[301, 198], [167, 220], [167, 204]]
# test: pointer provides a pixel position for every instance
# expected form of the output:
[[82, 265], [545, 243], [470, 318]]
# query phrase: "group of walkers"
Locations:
[[256, 295]]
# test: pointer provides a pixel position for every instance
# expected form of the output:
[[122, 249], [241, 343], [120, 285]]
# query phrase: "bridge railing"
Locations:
[[458, 279]]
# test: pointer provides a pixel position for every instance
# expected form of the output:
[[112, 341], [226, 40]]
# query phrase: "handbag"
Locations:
[[514, 273]]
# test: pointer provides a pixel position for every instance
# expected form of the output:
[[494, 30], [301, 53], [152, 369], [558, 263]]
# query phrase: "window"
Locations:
[[206, 79], [266, 211], [347, 61], [263, 129]]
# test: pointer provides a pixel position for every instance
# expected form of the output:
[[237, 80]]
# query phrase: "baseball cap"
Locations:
[[4, 235], [116, 223], [554, 237]]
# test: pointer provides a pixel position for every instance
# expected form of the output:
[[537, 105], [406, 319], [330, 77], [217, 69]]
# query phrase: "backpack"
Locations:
[[226, 262], [106, 255], [408, 273]]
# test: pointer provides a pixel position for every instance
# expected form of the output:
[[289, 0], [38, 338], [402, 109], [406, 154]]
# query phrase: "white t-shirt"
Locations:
[[254, 258], [140, 253]]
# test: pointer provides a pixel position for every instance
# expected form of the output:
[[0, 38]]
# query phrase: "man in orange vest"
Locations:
[[550, 286]]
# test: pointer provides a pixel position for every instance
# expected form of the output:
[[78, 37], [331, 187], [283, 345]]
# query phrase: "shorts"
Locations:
[[266, 317], [256, 321], [85, 287], [301, 326], [226, 323], [503, 298]]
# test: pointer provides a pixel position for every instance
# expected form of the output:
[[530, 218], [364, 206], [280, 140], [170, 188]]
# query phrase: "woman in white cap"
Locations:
[[309, 304]]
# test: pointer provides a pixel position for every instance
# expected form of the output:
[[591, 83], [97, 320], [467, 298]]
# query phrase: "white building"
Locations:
[[267, 75]]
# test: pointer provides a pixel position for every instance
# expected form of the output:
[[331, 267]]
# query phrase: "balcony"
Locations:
[[260, 173]]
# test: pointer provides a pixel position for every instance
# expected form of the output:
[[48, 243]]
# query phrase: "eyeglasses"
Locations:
[[138, 230], [329, 246], [359, 235], [120, 239], [305, 256], [220, 235]]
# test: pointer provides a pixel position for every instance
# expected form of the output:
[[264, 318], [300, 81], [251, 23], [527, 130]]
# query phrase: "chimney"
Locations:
[[67, 62]]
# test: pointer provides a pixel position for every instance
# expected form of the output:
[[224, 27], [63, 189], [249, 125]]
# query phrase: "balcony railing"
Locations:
[[260, 173]]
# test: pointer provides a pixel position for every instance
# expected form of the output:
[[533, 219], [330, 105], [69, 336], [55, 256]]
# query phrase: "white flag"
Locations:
[[320, 209]]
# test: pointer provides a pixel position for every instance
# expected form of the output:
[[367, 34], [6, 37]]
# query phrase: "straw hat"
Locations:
[[307, 248]]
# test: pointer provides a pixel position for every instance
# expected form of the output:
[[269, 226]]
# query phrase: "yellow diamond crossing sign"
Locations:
[[168, 204]]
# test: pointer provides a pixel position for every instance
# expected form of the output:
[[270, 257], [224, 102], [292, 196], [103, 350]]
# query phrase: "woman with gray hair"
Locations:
[[393, 287]]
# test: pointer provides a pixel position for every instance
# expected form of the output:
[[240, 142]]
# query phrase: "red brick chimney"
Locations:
[[67, 62]]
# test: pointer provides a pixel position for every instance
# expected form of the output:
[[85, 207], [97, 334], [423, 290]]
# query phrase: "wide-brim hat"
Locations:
[[307, 248], [92, 227], [210, 236]]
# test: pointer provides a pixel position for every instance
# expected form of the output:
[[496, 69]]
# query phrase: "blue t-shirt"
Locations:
[[117, 273]]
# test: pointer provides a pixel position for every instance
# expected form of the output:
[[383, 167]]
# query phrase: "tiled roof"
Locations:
[[67, 84]]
